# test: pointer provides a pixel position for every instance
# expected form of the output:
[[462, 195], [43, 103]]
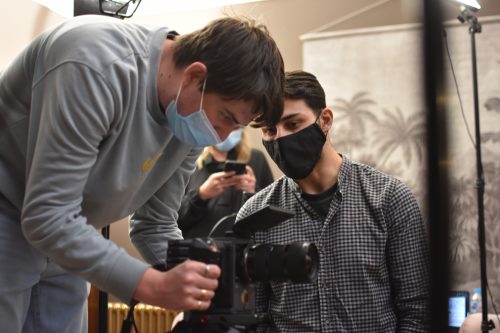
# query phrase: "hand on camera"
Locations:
[[188, 286]]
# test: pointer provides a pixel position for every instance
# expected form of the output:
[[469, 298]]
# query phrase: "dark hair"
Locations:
[[243, 62], [300, 85]]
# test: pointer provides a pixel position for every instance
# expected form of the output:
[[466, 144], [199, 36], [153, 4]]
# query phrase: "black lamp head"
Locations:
[[115, 8]]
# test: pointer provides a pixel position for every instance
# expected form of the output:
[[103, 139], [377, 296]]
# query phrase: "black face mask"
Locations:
[[297, 154]]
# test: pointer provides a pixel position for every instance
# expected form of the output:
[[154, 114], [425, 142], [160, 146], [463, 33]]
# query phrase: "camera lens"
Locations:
[[295, 262]]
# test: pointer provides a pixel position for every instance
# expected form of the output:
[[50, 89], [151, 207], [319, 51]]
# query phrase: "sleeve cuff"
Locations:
[[196, 200]]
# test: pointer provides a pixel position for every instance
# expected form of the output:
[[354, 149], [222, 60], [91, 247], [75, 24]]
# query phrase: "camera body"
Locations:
[[243, 263], [234, 300]]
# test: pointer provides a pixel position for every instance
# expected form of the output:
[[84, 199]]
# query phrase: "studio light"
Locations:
[[116, 8], [127, 8]]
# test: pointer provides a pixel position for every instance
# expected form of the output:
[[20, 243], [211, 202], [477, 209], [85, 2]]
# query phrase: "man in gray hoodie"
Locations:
[[102, 119]]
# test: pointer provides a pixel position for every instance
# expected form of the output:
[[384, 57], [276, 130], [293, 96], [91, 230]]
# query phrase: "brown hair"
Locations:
[[300, 85], [243, 62]]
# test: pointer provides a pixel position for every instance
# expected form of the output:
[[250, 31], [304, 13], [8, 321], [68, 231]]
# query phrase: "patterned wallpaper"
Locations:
[[373, 82]]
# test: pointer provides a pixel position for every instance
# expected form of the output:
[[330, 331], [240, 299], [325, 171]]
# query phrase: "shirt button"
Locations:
[[327, 321]]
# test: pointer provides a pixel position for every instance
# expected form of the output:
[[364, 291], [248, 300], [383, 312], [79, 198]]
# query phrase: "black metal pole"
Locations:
[[437, 164], [474, 28]]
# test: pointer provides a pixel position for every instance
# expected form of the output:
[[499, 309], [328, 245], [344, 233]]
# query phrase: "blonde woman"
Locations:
[[213, 194]]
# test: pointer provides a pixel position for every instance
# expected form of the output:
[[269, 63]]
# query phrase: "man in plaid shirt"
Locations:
[[373, 251]]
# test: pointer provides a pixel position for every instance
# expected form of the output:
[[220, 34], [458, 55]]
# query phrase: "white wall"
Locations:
[[21, 20]]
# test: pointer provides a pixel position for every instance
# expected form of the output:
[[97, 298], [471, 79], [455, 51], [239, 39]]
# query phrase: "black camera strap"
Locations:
[[129, 321]]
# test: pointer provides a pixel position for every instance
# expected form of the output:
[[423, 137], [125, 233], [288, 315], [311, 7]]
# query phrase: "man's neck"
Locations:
[[325, 173], [167, 82]]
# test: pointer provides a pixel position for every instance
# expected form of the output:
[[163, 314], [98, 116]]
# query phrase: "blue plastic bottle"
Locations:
[[475, 301]]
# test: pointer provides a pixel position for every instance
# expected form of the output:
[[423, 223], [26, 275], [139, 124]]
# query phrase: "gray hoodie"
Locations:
[[84, 142]]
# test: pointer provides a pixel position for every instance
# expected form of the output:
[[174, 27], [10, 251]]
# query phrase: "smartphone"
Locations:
[[239, 167]]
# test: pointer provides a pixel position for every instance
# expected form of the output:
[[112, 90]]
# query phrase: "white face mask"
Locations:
[[195, 129]]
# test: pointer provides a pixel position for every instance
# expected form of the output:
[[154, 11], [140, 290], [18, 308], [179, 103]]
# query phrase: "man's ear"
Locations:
[[194, 73], [326, 120]]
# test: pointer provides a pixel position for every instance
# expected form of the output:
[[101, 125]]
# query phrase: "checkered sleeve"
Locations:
[[407, 256]]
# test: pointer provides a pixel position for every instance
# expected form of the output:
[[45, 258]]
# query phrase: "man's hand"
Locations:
[[188, 286]]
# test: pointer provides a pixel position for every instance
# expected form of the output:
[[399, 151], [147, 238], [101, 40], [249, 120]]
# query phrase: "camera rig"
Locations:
[[243, 263]]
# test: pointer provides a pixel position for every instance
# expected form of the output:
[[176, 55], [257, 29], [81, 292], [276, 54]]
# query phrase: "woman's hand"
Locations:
[[246, 182], [216, 184]]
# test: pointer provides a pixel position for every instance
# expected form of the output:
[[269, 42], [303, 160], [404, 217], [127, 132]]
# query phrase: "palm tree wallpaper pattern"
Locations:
[[373, 82], [396, 143]]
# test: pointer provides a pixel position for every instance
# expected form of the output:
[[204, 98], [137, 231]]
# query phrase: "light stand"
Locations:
[[467, 16]]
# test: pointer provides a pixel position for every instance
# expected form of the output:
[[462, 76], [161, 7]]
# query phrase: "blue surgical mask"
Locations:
[[194, 129], [231, 141]]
